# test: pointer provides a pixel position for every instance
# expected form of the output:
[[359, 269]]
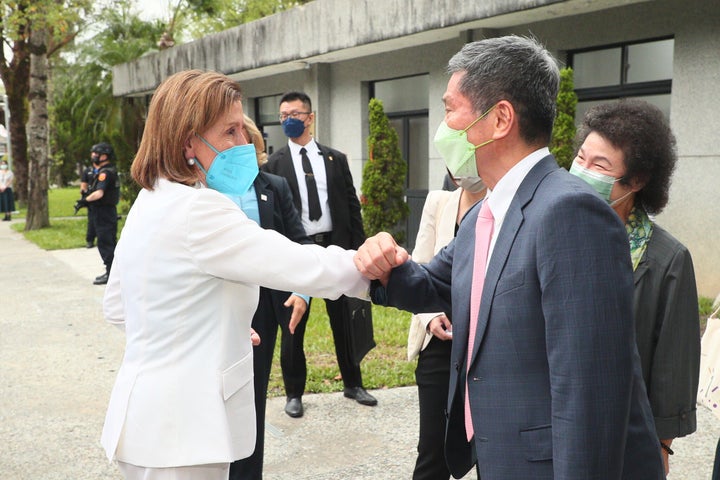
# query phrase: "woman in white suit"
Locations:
[[430, 333], [184, 285]]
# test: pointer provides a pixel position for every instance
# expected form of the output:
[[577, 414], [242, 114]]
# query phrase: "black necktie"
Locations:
[[313, 198]]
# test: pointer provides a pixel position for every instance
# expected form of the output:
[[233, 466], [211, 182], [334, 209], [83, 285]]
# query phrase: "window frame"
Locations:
[[623, 88]]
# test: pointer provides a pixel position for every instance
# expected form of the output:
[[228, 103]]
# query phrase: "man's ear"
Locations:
[[504, 119]]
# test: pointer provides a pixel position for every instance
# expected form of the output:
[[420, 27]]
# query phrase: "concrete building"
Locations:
[[344, 52]]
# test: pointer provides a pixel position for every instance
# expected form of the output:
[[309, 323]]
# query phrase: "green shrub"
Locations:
[[562, 144], [383, 182]]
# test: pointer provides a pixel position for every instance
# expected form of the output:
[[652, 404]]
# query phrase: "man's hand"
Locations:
[[378, 256], [441, 327], [80, 204], [298, 310]]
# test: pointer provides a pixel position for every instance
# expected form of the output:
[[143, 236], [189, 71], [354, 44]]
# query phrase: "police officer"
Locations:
[[86, 179], [102, 199]]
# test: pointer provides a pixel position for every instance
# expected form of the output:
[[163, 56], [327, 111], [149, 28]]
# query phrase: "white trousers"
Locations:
[[215, 471]]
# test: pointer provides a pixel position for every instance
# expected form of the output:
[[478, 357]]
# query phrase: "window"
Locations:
[[266, 118], [632, 70], [405, 101]]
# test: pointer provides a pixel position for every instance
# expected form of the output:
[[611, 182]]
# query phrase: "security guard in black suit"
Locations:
[[103, 197]]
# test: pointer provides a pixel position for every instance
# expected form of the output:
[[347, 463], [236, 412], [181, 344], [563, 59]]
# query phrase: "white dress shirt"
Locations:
[[324, 223], [500, 198]]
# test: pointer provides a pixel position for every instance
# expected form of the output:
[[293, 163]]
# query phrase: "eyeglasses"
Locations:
[[285, 116]]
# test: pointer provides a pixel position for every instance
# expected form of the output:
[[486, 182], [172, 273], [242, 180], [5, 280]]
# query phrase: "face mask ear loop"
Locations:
[[484, 143], [207, 143], [479, 118]]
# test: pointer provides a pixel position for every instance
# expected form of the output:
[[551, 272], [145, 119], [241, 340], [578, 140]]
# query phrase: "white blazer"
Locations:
[[437, 229], [184, 283]]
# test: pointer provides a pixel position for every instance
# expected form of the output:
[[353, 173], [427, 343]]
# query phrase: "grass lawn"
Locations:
[[385, 366]]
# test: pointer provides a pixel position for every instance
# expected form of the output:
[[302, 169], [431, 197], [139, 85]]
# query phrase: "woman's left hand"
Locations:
[[254, 337]]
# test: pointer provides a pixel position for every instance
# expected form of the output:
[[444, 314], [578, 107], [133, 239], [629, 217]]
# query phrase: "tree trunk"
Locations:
[[15, 76], [37, 130]]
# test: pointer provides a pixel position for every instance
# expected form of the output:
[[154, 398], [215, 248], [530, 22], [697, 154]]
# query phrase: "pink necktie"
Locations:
[[483, 234]]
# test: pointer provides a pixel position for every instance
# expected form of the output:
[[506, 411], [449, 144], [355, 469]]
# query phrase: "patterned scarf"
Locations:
[[639, 229]]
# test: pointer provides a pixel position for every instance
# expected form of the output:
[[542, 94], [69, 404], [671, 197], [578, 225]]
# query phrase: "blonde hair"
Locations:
[[254, 136], [185, 103]]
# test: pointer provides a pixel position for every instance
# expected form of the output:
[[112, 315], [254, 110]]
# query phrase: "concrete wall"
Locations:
[[384, 39], [320, 29], [692, 215]]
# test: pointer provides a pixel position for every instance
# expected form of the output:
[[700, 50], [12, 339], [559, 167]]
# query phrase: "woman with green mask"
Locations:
[[627, 154]]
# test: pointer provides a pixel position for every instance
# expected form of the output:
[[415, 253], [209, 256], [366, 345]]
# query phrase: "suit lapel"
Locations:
[[506, 237], [329, 169], [265, 201], [446, 213], [286, 169]]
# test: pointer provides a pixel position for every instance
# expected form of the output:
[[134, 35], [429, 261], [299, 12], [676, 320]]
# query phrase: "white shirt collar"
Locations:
[[295, 148], [504, 192]]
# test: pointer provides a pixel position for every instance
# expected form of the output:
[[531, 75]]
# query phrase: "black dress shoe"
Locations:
[[294, 407], [360, 395], [89, 245], [101, 280]]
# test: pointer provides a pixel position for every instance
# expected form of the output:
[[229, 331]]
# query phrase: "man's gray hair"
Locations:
[[516, 69]]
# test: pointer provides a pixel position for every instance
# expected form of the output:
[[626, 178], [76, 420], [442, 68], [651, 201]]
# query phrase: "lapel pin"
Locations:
[[263, 197]]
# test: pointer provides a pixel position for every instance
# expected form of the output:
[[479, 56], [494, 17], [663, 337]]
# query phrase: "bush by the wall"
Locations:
[[383, 182], [562, 144]]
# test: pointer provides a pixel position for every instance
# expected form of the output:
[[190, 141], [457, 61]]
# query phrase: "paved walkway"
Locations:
[[58, 361]]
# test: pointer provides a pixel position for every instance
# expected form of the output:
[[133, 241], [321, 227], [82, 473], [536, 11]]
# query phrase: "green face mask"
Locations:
[[456, 150], [602, 184]]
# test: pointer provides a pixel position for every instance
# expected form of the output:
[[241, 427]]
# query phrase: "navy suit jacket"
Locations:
[[555, 386], [345, 212]]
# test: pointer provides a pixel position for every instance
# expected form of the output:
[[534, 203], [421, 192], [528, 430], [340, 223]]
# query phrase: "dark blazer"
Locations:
[[277, 212], [276, 208], [556, 390], [347, 229], [668, 333]]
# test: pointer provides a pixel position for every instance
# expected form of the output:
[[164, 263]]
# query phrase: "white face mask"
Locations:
[[471, 184]]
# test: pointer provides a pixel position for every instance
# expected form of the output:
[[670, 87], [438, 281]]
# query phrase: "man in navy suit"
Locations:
[[325, 198], [552, 381]]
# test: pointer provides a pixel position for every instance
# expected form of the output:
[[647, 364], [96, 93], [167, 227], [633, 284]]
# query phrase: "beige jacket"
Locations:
[[437, 228]]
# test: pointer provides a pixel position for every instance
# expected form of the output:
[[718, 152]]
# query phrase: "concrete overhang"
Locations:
[[327, 31]]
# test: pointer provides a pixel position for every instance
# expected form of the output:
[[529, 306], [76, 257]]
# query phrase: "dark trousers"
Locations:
[[339, 323], [433, 377], [716, 466], [292, 358], [104, 220], [269, 314], [90, 233], [292, 353]]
